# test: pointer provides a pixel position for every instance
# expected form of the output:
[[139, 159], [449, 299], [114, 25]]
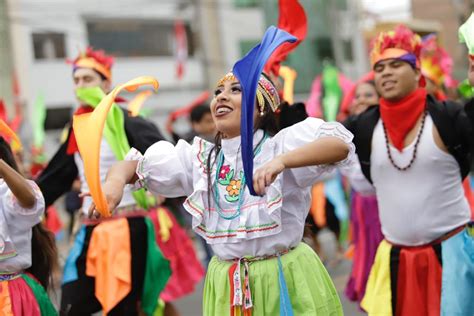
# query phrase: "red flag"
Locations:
[[3, 111], [181, 48], [292, 19], [14, 123]]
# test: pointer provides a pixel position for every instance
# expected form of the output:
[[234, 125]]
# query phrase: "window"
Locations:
[[347, 49], [246, 3], [324, 48], [57, 118], [136, 38], [49, 45]]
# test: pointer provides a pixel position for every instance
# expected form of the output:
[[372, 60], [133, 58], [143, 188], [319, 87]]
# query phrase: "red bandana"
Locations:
[[72, 144], [401, 116]]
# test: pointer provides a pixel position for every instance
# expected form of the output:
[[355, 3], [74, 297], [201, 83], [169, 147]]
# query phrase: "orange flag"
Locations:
[[88, 128], [10, 135], [318, 205], [135, 105]]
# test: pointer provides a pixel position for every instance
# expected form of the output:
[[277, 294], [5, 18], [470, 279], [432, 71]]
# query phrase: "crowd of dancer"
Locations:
[[383, 163]]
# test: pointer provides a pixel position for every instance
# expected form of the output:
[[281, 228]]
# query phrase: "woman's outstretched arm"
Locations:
[[119, 175], [20, 188], [322, 151]]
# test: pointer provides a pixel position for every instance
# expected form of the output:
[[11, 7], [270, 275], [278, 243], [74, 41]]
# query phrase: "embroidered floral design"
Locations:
[[224, 172], [231, 184], [234, 188]]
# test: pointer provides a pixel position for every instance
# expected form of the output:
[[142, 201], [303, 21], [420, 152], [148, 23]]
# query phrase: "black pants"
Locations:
[[332, 222], [78, 297]]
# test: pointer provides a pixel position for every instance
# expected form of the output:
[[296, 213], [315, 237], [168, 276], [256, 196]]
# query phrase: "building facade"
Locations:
[[140, 34]]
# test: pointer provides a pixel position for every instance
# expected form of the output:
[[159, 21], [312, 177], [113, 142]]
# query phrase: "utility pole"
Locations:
[[6, 59], [210, 35]]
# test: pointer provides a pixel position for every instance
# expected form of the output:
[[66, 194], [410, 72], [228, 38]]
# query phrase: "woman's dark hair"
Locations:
[[267, 122], [44, 254], [7, 155]]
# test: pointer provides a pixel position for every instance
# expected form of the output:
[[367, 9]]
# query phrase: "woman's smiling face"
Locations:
[[226, 107]]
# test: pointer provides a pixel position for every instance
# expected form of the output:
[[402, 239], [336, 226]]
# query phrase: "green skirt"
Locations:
[[310, 288]]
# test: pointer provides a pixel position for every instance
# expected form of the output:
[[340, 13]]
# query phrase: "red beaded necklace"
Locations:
[[418, 138]]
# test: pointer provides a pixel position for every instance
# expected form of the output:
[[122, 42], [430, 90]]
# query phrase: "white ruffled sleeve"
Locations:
[[306, 132], [22, 214], [165, 169], [358, 181]]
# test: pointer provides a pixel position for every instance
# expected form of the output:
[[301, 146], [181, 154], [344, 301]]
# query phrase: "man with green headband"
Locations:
[[89, 275]]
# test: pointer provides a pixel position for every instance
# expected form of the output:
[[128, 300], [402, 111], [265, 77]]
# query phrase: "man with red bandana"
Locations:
[[415, 150]]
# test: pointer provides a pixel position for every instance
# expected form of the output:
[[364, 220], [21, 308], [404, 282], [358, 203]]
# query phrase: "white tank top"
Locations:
[[422, 203], [107, 159]]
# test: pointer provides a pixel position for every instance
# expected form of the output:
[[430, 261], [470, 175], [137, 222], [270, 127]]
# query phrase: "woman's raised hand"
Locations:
[[113, 191], [265, 175]]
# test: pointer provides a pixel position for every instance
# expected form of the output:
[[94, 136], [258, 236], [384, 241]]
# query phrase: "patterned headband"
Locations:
[[265, 91]]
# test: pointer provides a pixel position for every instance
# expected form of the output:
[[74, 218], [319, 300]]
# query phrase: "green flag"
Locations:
[[466, 34], [39, 116], [332, 93]]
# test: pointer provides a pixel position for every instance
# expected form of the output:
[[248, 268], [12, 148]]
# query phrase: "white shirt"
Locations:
[[266, 224], [107, 159], [15, 229], [424, 202]]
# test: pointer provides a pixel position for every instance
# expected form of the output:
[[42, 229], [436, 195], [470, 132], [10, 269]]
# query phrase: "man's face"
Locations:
[[205, 126], [395, 79], [89, 78]]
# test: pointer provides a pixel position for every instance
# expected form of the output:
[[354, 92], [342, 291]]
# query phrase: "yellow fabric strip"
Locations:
[[377, 300], [136, 104], [289, 76]]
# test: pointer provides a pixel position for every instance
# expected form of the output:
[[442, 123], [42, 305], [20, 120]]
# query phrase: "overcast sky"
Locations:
[[388, 10]]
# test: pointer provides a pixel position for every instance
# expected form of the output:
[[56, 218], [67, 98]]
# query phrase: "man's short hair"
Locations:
[[198, 113]]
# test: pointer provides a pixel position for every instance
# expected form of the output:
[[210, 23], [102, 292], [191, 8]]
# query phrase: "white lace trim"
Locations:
[[134, 154], [334, 129]]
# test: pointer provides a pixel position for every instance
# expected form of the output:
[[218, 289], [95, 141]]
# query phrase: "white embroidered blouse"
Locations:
[[15, 228], [265, 225]]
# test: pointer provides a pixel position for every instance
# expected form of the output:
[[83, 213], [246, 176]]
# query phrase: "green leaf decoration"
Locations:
[[231, 199], [230, 175]]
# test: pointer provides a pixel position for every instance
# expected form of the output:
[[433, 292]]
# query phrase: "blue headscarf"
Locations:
[[248, 71]]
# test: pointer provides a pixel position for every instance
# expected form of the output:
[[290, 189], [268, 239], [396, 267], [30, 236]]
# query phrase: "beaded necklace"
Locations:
[[418, 138], [215, 188]]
